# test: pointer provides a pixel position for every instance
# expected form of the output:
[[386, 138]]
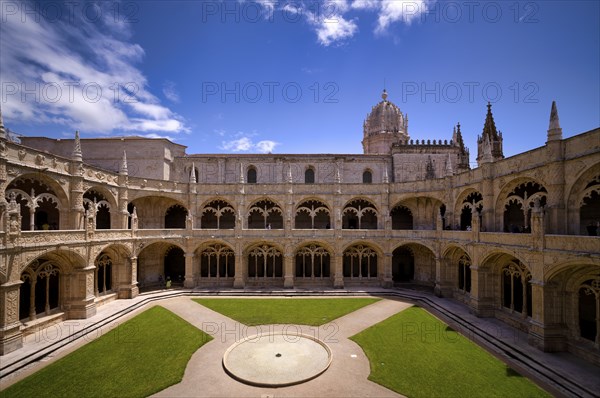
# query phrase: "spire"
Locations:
[[554, 129], [123, 168], [289, 174], [459, 138], [489, 128], [338, 178], [489, 144], [241, 173], [76, 156], [3, 134], [386, 178]]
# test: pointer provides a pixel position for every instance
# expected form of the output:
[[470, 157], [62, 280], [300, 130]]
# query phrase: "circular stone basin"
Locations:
[[277, 360]]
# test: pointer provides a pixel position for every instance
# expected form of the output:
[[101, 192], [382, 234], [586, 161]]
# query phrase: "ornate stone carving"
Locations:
[[12, 298], [22, 154]]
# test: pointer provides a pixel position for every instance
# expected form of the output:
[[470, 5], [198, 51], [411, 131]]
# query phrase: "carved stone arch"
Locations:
[[360, 213], [264, 261], [513, 190], [312, 214], [362, 260], [217, 213], [56, 188], [313, 260], [216, 260], [265, 213], [586, 210]]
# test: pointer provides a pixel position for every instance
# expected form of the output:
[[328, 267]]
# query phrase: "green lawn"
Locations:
[[139, 357], [416, 355], [312, 312]]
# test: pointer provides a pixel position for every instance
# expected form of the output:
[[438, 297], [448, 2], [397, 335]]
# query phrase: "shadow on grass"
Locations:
[[510, 372]]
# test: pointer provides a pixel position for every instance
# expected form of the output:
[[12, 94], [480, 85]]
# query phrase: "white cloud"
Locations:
[[245, 144], [399, 10], [239, 145], [170, 92], [266, 146], [365, 4], [78, 73], [331, 23], [335, 29]]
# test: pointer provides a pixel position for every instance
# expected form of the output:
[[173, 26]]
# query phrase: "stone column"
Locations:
[[190, 274], [443, 285], [338, 271], [11, 338], [129, 289], [386, 281], [82, 303], [239, 280], [546, 331], [482, 301], [288, 270]]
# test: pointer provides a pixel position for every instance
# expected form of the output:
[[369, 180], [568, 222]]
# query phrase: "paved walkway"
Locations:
[[562, 373], [205, 377]]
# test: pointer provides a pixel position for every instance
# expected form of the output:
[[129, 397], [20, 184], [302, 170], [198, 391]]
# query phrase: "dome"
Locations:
[[386, 118]]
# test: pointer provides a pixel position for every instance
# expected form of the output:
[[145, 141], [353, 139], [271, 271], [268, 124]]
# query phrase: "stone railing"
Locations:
[[584, 244]]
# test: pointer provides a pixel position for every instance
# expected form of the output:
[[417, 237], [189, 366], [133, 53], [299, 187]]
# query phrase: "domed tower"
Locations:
[[383, 127]]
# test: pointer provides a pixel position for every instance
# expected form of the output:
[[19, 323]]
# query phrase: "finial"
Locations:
[[289, 176], [77, 148], [123, 168], [193, 179], [386, 178], [241, 173], [554, 129], [384, 95]]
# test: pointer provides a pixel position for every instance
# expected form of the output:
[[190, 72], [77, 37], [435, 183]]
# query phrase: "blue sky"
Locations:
[[297, 76]]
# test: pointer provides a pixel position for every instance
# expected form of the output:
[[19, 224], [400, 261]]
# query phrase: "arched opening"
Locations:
[[464, 274], [95, 201], [516, 288], [518, 205], [360, 262], [40, 207], [265, 214], [589, 212], [130, 207], [312, 262], [218, 214], [589, 301], [402, 218], [217, 261], [40, 290], [103, 274], [312, 214], [174, 265], [403, 265], [175, 217], [251, 175], [367, 177], [265, 262], [359, 214], [309, 176], [473, 201]]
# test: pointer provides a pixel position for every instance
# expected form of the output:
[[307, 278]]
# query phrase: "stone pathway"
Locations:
[[205, 376]]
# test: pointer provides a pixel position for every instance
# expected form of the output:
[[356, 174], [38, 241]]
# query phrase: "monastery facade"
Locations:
[[87, 221]]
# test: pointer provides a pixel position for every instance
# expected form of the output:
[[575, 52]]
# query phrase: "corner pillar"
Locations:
[[82, 305], [129, 288], [11, 337], [546, 332], [481, 302]]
